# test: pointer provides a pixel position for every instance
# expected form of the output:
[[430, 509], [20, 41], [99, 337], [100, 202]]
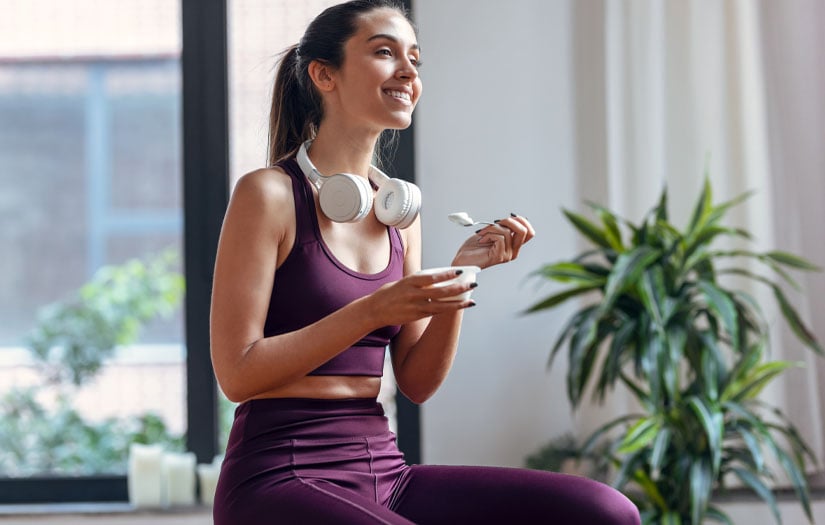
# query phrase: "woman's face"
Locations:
[[378, 82]]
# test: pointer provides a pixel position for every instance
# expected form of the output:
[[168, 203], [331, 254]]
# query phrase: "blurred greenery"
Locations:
[[40, 431]]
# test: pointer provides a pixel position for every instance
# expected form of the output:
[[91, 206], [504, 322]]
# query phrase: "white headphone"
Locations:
[[348, 198]]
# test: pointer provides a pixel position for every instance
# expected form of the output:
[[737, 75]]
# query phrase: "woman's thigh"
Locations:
[[454, 495], [305, 502]]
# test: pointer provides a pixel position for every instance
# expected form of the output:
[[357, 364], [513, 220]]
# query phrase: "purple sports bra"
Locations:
[[311, 284]]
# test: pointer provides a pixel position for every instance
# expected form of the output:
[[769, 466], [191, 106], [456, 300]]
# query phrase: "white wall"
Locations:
[[493, 136]]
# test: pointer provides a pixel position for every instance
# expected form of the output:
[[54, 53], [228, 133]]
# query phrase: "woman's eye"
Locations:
[[385, 52], [416, 62]]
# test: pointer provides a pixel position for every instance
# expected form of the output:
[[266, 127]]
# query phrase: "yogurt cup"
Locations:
[[468, 275]]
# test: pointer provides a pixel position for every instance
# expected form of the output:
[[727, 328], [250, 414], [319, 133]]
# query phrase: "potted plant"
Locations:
[[690, 350]]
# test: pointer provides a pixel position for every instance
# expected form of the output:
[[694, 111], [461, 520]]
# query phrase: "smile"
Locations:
[[403, 95]]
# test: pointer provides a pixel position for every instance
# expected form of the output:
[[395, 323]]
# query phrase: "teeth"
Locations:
[[399, 94]]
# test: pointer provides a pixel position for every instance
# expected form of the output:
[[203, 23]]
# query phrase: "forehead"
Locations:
[[385, 21]]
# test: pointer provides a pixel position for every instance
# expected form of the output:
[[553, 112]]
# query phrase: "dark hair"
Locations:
[[296, 110]]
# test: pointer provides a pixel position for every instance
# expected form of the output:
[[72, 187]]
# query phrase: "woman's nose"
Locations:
[[407, 71]]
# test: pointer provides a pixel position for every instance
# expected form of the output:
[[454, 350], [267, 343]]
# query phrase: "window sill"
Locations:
[[111, 511]]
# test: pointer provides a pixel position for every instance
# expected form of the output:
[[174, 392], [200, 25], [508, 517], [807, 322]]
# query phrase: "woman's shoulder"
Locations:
[[265, 186]]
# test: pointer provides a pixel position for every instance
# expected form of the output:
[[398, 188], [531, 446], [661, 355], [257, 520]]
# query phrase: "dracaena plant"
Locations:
[[661, 321]]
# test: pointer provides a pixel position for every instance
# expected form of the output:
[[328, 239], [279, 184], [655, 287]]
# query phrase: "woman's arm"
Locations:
[[257, 234], [424, 351]]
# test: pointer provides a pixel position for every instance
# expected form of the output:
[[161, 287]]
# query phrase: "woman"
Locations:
[[304, 306]]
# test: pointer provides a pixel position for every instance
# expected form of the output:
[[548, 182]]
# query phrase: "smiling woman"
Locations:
[[305, 303]]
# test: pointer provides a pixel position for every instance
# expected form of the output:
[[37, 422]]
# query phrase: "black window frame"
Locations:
[[206, 192]]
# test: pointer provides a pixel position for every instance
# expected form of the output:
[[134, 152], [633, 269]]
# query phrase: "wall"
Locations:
[[493, 136]]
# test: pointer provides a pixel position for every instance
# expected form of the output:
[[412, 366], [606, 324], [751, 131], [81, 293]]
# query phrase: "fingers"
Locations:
[[516, 231], [426, 279], [439, 286]]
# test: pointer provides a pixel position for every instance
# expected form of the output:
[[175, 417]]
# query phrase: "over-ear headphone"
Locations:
[[348, 198]]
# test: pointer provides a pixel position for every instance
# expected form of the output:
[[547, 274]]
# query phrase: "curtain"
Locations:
[[667, 92]]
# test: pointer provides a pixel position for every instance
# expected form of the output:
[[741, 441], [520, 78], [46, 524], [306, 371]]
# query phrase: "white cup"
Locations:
[[468, 275]]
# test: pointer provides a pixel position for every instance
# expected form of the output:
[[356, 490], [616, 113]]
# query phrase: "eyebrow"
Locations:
[[388, 37]]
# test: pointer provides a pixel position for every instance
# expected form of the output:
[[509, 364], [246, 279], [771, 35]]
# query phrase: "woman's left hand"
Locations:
[[495, 244]]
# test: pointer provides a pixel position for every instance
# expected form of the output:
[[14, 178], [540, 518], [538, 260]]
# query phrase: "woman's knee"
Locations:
[[613, 508]]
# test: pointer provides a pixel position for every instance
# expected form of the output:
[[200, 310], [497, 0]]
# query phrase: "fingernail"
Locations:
[[473, 285], [479, 231], [459, 272], [497, 221], [472, 303], [513, 214]]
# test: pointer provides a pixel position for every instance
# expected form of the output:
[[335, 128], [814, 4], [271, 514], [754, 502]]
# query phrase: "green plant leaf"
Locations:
[[701, 482], [754, 448], [629, 267], [721, 303], [718, 211], [795, 322], [751, 480], [571, 326], [672, 518], [611, 226], [798, 481], [588, 229], [581, 353], [711, 419], [716, 514], [650, 489], [660, 210], [653, 294], [569, 272], [794, 261], [616, 352], [603, 431], [659, 450], [701, 210], [557, 299], [751, 385], [640, 435]]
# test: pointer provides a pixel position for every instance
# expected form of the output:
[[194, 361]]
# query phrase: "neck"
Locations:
[[334, 151]]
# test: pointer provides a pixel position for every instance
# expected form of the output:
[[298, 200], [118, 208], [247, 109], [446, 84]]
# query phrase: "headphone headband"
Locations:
[[345, 197], [375, 175]]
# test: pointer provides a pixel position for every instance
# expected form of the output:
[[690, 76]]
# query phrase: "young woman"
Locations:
[[304, 306]]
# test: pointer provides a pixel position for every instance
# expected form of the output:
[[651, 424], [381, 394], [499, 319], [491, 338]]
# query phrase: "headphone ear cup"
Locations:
[[397, 203], [345, 198]]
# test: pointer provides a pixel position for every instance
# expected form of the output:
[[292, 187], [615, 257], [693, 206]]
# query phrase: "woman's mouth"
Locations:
[[400, 95]]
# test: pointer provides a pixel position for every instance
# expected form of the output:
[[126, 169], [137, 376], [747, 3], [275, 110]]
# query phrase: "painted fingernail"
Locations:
[[497, 221], [513, 214], [479, 231], [459, 272], [472, 303], [473, 285]]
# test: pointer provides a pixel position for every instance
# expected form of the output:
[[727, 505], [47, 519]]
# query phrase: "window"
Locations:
[[90, 165]]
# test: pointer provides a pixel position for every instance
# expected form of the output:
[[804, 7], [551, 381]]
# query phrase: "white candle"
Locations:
[[208, 478], [178, 473], [144, 475]]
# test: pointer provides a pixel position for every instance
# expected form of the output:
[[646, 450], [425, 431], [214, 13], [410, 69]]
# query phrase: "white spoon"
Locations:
[[463, 219]]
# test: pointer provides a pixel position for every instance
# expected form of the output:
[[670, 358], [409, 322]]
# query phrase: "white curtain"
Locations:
[[667, 91]]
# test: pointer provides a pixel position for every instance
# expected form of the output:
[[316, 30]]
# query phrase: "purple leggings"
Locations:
[[307, 461]]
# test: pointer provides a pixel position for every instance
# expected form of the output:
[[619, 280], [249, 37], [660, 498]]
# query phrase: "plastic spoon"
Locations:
[[463, 219]]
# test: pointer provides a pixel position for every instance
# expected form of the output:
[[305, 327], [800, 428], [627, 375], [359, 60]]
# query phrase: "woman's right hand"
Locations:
[[414, 297]]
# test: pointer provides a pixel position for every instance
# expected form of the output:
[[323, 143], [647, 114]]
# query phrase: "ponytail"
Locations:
[[296, 108]]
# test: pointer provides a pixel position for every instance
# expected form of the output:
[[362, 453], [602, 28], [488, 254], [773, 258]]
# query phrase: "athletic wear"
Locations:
[[335, 462], [311, 284]]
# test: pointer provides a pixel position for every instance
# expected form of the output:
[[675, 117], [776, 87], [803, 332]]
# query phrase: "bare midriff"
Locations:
[[327, 387]]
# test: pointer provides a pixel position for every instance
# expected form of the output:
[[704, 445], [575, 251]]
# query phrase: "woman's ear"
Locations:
[[321, 75]]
